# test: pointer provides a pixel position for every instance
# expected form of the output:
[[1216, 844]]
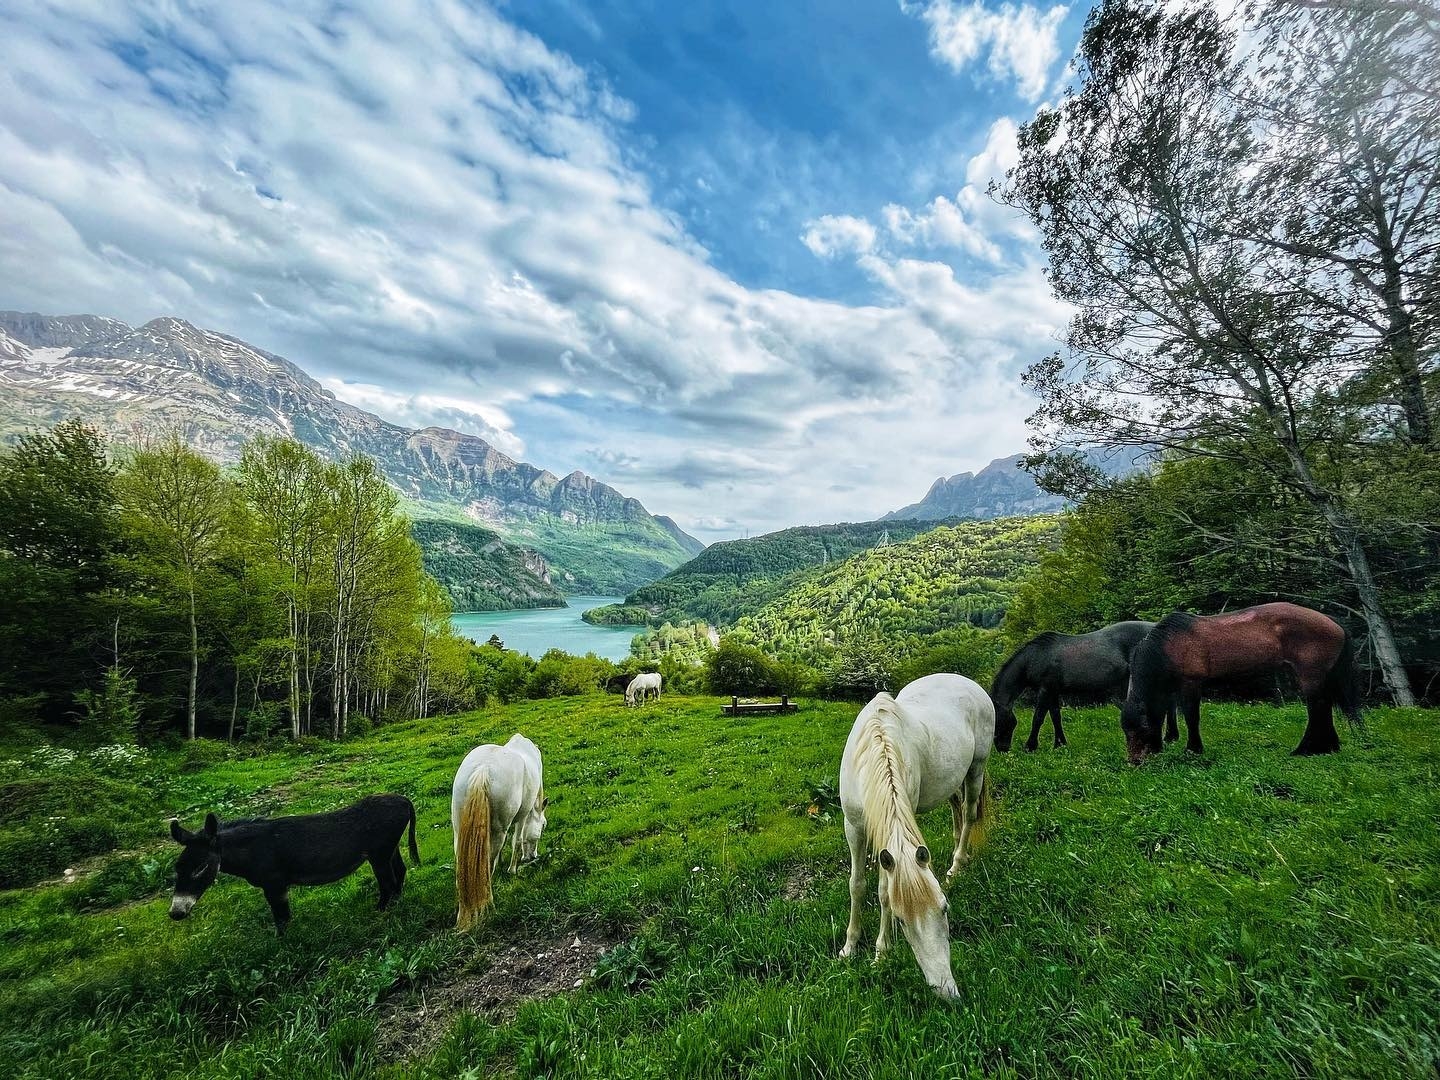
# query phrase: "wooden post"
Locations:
[[734, 704], [784, 702]]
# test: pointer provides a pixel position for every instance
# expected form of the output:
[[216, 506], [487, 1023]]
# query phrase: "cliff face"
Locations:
[[220, 391]]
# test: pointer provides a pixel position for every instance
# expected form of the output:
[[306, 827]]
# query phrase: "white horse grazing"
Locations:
[[908, 754], [640, 686], [495, 788]]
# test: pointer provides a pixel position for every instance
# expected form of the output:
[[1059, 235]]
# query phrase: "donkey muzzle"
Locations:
[[180, 906]]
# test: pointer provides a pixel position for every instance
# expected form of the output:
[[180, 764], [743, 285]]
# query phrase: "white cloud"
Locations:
[[441, 218], [1020, 42], [839, 234]]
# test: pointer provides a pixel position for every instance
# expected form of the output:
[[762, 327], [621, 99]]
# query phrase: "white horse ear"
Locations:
[[886, 859], [544, 801], [922, 855]]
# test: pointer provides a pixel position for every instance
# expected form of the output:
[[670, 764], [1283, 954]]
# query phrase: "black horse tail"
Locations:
[[414, 851], [1342, 686]]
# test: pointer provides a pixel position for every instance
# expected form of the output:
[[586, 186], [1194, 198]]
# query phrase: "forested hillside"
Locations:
[[904, 597], [734, 577], [479, 571]]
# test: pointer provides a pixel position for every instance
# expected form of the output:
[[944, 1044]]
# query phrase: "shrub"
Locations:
[[734, 668]]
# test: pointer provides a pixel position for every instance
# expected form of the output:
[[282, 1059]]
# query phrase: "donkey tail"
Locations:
[[472, 855], [414, 851], [1342, 686]]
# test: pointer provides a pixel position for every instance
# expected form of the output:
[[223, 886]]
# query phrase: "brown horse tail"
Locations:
[[472, 855], [1341, 684], [414, 851]]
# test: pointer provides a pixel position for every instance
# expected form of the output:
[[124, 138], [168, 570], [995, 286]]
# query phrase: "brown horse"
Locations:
[[1185, 650]]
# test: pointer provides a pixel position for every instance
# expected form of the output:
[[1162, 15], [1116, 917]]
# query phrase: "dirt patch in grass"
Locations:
[[799, 883], [515, 972]]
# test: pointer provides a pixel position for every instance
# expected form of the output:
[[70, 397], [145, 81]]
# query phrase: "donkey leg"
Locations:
[[1055, 719], [384, 878], [397, 868], [856, 839], [1320, 735], [279, 907]]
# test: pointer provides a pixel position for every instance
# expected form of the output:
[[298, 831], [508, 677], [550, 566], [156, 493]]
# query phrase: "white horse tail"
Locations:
[[984, 815], [472, 854]]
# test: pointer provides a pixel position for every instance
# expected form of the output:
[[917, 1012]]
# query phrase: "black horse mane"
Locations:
[[1150, 666], [1011, 670]]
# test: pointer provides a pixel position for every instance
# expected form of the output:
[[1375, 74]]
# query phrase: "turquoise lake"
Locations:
[[538, 629]]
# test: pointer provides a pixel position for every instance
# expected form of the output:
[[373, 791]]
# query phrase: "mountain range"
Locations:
[[219, 391], [1004, 489]]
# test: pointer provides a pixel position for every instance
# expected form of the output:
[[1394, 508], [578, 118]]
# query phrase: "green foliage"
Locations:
[[112, 713], [59, 531], [559, 674], [735, 668], [735, 577], [859, 619], [480, 571]]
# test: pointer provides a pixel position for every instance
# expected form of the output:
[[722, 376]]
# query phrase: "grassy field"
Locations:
[[1245, 913]]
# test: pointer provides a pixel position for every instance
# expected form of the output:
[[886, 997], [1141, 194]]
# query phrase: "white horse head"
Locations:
[[905, 755]]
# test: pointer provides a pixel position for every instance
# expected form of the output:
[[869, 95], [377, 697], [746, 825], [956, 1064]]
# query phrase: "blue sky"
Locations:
[[733, 258]]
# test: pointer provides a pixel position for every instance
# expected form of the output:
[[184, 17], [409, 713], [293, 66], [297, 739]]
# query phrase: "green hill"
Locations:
[[482, 572], [940, 580], [735, 577]]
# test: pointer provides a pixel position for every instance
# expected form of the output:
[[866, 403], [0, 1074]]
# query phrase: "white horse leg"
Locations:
[[961, 833], [882, 939], [974, 785], [856, 839]]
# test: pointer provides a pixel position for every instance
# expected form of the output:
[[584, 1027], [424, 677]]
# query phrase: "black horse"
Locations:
[[309, 849], [1094, 664]]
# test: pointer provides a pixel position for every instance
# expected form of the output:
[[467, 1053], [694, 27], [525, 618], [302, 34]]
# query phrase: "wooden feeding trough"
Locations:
[[744, 708]]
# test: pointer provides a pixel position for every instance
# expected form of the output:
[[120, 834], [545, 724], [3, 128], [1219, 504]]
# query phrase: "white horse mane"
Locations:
[[889, 818]]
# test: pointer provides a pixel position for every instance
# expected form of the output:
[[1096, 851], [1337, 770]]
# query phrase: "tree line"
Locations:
[[145, 590]]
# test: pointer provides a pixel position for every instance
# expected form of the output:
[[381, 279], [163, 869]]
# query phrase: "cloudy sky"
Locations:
[[733, 257]]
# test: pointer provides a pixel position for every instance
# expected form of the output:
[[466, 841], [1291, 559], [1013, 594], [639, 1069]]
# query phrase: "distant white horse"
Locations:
[[495, 788], [640, 686], [908, 754]]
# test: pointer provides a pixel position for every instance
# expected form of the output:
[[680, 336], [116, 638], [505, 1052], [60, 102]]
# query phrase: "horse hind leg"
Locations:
[[1320, 735], [1055, 719], [960, 818]]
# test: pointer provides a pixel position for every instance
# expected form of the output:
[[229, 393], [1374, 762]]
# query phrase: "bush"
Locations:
[[739, 669], [111, 714]]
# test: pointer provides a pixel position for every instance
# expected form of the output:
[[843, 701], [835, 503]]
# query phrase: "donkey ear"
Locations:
[[886, 859], [212, 825], [179, 833], [922, 855]]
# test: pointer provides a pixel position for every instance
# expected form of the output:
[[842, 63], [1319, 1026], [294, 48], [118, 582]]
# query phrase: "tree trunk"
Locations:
[[234, 702], [194, 665], [1347, 536]]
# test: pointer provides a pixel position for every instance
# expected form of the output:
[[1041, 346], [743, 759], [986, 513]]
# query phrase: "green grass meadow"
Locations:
[[1240, 913]]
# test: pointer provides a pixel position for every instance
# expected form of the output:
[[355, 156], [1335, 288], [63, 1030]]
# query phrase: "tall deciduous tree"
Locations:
[[177, 504], [1199, 326], [58, 533], [284, 486]]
